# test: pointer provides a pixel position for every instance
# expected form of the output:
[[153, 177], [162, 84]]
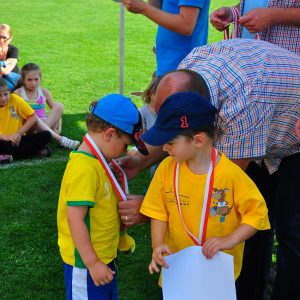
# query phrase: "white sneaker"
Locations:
[[68, 143]]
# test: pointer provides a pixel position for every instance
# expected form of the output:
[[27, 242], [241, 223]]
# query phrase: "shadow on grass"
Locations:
[[73, 125]]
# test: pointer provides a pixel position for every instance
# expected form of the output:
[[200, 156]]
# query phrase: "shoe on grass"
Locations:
[[5, 158], [68, 143], [45, 152]]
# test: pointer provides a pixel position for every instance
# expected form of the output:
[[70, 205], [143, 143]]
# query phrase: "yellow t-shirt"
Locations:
[[13, 115], [235, 200], [86, 184]]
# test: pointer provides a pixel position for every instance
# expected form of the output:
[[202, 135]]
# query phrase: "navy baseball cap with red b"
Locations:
[[180, 111]]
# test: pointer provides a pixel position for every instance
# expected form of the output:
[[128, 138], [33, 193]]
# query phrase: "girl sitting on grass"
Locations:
[[37, 97]]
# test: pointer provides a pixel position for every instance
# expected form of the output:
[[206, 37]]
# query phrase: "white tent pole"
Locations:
[[121, 74]]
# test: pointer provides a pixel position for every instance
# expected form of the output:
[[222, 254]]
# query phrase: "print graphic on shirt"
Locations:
[[13, 113], [220, 205], [184, 200], [107, 190]]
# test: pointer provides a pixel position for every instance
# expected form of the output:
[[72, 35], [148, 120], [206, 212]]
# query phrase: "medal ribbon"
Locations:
[[115, 184], [206, 200], [235, 31]]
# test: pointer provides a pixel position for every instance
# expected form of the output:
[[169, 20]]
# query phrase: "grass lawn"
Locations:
[[76, 45]]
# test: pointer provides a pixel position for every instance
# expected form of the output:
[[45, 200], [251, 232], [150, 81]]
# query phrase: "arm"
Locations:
[[28, 124], [182, 23], [158, 230], [130, 210], [133, 164], [155, 3], [49, 99], [100, 272], [10, 64], [260, 19], [214, 244]]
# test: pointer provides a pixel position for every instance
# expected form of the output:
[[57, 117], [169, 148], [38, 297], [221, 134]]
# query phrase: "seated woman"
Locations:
[[9, 55]]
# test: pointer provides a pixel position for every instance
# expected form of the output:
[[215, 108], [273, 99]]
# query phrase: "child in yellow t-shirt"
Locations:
[[200, 184], [87, 217], [17, 118]]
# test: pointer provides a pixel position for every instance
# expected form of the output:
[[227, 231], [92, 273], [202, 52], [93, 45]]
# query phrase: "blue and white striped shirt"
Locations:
[[255, 86]]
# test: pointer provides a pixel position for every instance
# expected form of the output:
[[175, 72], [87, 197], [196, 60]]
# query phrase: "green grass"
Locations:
[[76, 45]]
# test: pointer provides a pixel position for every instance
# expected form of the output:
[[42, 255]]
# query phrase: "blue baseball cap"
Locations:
[[122, 113], [180, 111]]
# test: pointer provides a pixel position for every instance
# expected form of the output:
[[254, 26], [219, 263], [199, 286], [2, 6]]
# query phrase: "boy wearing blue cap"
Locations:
[[197, 195], [87, 217]]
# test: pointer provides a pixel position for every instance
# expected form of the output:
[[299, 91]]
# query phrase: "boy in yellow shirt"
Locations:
[[17, 119], [87, 217], [197, 195]]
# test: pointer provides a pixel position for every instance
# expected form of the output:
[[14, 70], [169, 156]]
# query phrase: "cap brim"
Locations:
[[156, 137], [139, 143]]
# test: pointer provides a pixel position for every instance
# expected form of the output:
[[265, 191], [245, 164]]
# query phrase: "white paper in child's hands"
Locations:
[[192, 276]]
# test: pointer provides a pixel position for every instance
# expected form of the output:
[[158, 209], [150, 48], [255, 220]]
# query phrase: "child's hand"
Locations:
[[101, 273], [14, 138], [213, 245], [158, 259]]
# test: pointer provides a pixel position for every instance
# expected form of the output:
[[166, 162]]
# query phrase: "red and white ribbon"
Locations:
[[115, 184], [206, 201]]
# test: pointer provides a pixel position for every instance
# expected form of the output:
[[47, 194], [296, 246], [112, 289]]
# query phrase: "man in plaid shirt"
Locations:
[[256, 88], [277, 22]]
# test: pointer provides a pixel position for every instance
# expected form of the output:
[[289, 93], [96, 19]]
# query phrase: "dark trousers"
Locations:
[[29, 145], [282, 194]]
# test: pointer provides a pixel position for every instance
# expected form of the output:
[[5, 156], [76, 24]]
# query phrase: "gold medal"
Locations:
[[126, 243]]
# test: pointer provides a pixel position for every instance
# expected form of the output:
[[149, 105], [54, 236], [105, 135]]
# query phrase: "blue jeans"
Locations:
[[281, 191]]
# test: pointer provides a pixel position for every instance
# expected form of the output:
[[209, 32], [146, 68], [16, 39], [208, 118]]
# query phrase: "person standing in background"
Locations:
[[182, 25]]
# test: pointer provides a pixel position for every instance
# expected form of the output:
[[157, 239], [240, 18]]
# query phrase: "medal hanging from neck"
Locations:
[[206, 201], [126, 242]]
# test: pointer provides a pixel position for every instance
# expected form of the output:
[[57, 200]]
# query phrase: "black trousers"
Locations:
[[29, 145], [282, 194]]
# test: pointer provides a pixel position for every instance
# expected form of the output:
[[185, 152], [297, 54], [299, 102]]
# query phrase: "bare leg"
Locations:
[[42, 126], [57, 129], [54, 117], [62, 140]]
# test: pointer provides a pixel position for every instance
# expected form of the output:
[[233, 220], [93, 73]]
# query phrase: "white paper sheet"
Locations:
[[191, 276]]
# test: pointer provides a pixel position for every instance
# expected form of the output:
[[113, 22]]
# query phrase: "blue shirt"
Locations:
[[248, 6], [171, 47]]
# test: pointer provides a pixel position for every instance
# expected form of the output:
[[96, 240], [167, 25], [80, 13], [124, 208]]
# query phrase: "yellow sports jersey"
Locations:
[[86, 184], [235, 200], [13, 115]]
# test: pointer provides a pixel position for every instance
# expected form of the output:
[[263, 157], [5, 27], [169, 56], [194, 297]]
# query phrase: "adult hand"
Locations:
[[158, 258], [134, 6], [130, 210], [257, 20], [221, 17], [101, 273], [297, 128], [130, 165]]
